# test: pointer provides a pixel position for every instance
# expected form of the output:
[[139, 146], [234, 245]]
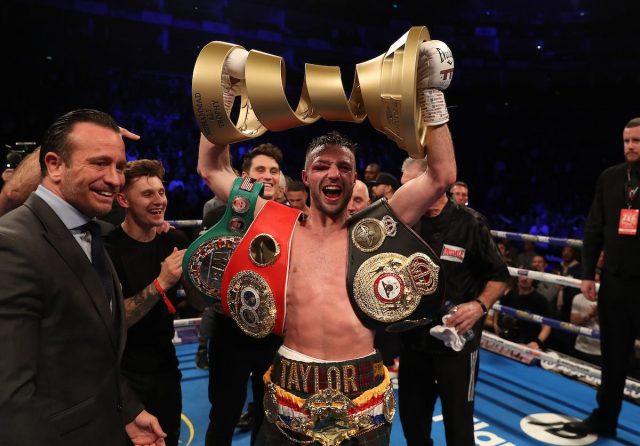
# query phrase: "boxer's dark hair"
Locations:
[[333, 138]]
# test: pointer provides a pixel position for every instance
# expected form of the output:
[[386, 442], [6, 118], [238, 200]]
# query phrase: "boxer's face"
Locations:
[[330, 177]]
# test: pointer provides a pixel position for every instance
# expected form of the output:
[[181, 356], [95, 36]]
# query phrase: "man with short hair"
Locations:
[[60, 299], [359, 198], [301, 267], [371, 172], [297, 197], [612, 225], [234, 357], [460, 193], [319, 332], [570, 267], [475, 276], [281, 189], [526, 298], [384, 186], [149, 265], [262, 163], [411, 168], [548, 290]]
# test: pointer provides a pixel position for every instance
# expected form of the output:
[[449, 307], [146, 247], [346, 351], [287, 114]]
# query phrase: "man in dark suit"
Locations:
[[612, 225], [62, 329]]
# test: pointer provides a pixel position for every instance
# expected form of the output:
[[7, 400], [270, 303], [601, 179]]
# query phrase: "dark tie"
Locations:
[[99, 260]]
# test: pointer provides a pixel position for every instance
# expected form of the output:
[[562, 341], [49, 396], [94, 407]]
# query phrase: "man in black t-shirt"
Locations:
[[234, 357], [475, 277], [149, 265], [525, 298]]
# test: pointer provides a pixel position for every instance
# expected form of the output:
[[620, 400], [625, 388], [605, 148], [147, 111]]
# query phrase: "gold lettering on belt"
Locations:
[[349, 376], [294, 379], [316, 379], [331, 370], [283, 372], [378, 369], [304, 372]]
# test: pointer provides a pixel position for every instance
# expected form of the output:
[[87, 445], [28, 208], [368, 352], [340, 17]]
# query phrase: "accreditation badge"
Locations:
[[628, 222]]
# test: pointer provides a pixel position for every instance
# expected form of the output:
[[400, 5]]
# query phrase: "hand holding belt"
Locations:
[[254, 283], [207, 257]]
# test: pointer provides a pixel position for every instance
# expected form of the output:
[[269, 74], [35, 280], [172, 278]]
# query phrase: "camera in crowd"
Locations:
[[17, 152]]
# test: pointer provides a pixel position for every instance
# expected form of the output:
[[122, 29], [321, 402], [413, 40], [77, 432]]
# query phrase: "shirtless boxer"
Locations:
[[328, 353]]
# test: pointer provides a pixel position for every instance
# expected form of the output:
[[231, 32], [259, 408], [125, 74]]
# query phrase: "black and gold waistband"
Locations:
[[349, 377]]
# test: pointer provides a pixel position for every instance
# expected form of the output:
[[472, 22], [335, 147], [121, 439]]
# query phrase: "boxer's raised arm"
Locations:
[[413, 199]]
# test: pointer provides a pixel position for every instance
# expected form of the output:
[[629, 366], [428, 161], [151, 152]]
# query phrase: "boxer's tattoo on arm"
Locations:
[[137, 306]]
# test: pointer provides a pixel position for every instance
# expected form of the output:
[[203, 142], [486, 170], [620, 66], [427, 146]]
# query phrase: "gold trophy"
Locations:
[[384, 88]]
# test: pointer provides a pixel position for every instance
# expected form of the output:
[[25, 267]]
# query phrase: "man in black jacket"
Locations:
[[612, 224], [476, 276], [62, 329]]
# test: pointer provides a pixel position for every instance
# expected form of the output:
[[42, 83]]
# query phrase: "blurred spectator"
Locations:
[[570, 267], [359, 198], [584, 313], [297, 196], [525, 298], [385, 185], [460, 193], [548, 290], [371, 172], [526, 256]]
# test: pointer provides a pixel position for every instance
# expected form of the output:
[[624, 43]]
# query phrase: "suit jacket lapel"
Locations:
[[61, 239], [118, 309]]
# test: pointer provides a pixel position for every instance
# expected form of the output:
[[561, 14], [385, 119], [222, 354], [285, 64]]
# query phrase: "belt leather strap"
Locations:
[[394, 278], [206, 258], [254, 284]]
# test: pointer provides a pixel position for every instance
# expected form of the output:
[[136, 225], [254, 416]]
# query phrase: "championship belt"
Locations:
[[384, 89], [394, 278], [207, 257], [254, 284]]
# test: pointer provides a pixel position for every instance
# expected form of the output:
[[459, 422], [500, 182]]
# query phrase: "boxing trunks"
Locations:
[[394, 278], [327, 402]]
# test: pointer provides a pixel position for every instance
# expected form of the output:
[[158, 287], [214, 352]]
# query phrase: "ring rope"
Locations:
[[193, 322], [553, 323], [538, 238], [495, 343], [548, 277]]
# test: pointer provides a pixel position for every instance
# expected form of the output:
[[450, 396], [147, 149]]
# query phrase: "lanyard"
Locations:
[[630, 193]]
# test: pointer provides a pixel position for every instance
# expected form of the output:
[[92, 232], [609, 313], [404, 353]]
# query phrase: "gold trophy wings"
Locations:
[[384, 88]]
